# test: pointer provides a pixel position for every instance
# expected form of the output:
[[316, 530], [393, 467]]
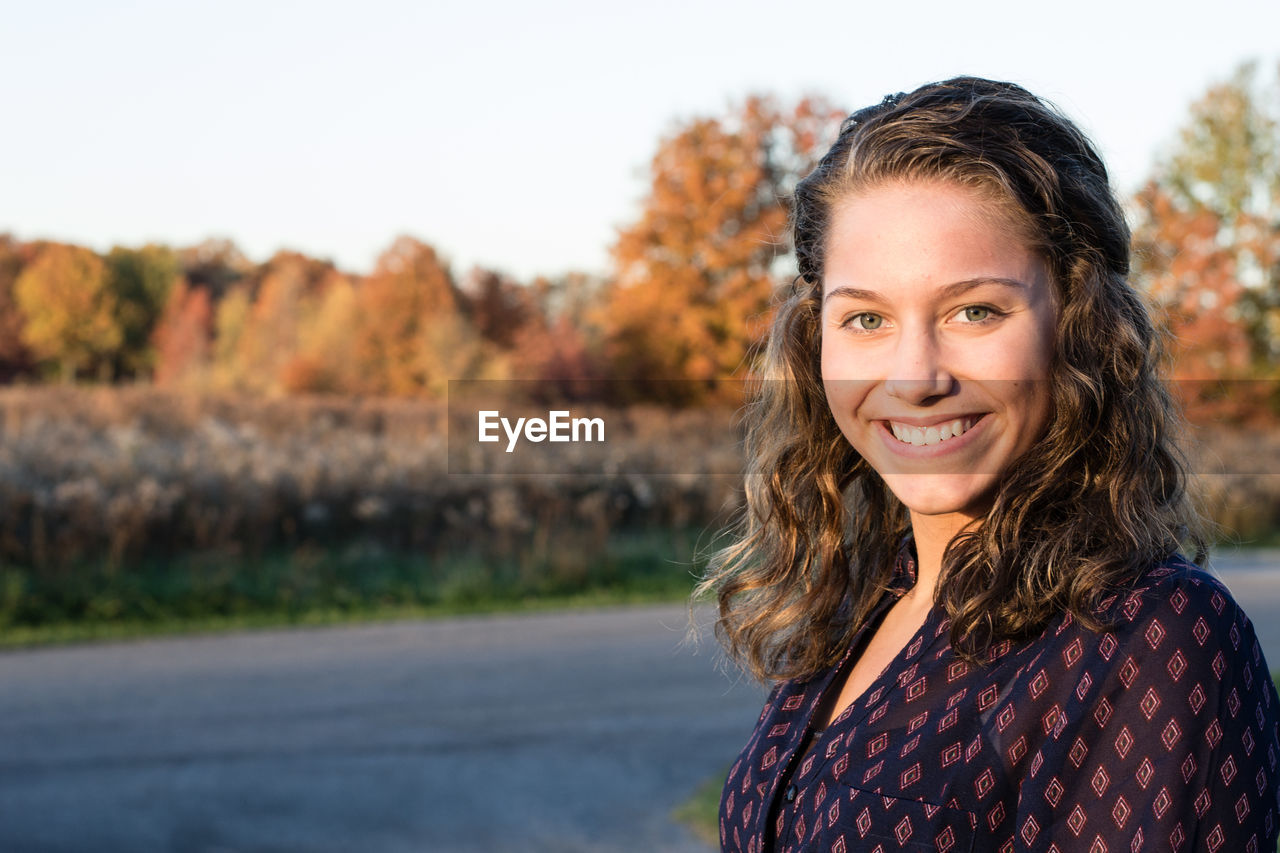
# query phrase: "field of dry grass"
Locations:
[[95, 482], [1237, 476], [129, 473]]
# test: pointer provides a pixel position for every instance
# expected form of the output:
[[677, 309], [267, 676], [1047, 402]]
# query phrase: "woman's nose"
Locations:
[[918, 372]]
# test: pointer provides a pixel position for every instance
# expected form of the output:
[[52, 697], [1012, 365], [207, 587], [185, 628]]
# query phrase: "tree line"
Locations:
[[688, 296]]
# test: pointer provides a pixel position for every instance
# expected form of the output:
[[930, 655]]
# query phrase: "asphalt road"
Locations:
[[575, 731], [568, 732]]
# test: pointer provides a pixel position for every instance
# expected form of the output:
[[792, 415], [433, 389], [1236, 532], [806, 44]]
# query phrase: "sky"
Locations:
[[516, 136]]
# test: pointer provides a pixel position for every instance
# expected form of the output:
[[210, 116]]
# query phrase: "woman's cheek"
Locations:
[[844, 399]]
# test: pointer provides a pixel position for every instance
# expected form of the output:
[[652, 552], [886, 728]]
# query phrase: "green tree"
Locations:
[[1226, 159], [70, 311], [140, 281]]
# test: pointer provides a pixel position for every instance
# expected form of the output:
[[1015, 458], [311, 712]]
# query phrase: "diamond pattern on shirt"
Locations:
[[1160, 733]]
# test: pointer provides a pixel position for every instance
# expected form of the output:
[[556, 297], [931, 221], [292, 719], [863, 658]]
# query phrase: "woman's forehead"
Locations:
[[928, 232], [984, 201]]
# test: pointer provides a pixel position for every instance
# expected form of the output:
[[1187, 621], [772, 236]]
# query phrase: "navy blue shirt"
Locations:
[[1159, 734]]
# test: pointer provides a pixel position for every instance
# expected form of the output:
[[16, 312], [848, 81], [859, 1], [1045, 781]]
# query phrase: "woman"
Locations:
[[960, 556]]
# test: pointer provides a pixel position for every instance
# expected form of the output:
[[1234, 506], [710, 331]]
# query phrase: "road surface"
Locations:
[[568, 732], [573, 731]]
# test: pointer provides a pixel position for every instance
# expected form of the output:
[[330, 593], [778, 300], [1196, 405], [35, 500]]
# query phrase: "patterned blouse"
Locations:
[[1158, 735]]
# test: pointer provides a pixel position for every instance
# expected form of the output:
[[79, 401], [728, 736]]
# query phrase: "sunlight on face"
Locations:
[[938, 327]]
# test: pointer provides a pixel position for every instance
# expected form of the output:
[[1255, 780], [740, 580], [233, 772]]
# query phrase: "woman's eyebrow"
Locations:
[[950, 291], [961, 287], [854, 293]]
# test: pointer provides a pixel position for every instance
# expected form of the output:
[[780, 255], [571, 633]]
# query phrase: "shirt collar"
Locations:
[[904, 566]]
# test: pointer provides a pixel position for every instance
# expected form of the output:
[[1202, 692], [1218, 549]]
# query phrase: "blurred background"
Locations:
[[246, 248]]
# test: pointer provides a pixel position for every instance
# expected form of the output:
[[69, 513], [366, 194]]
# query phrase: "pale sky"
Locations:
[[512, 135]]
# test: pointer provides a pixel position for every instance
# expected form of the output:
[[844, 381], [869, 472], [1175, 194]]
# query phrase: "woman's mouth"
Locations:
[[935, 434]]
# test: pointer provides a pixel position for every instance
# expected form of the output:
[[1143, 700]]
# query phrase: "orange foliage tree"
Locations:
[[285, 292], [696, 275], [537, 332], [15, 358], [69, 310], [559, 347], [183, 336], [322, 362], [497, 306], [1194, 283], [409, 336]]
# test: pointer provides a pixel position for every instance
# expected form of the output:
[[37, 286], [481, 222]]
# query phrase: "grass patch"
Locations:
[[701, 812], [1269, 538], [358, 583]]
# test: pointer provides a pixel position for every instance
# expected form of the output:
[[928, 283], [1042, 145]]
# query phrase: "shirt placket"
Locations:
[[782, 799], [788, 798]]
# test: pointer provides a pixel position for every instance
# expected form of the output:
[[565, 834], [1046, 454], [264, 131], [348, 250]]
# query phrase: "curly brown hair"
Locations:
[[1098, 499]]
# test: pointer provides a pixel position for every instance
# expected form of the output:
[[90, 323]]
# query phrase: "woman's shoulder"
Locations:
[[1176, 607], [1175, 642], [1176, 591]]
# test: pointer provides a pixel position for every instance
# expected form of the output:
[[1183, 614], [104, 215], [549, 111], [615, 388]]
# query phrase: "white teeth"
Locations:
[[921, 436]]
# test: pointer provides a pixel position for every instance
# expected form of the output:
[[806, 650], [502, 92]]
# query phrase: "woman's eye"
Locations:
[[975, 313], [866, 321]]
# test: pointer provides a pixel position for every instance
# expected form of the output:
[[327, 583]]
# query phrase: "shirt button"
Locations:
[[791, 793]]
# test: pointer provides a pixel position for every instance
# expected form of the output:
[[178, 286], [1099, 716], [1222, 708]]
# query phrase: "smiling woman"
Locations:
[[960, 559]]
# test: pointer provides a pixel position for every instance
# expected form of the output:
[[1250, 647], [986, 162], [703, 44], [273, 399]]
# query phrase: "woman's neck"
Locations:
[[932, 534]]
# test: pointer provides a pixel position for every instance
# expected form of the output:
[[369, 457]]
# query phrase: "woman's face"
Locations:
[[938, 325]]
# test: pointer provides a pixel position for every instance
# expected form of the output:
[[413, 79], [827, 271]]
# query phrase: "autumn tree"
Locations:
[[230, 315], [284, 293], [1207, 241], [182, 339], [15, 357], [408, 310], [69, 310], [552, 338], [497, 306], [1194, 283], [573, 296], [323, 361], [559, 356], [696, 275]]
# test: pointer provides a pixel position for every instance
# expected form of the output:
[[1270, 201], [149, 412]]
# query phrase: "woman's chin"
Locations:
[[943, 494]]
